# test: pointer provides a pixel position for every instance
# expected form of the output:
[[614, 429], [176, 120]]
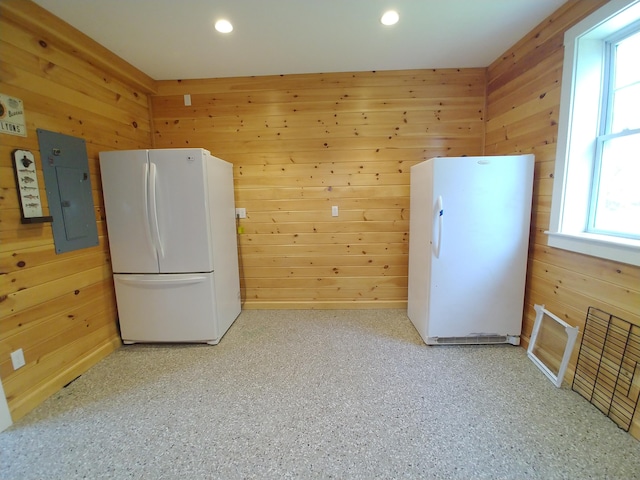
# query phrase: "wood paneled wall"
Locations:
[[60, 309], [523, 101], [299, 144], [303, 143]]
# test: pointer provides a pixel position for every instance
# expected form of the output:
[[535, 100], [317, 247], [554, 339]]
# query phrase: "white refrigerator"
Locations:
[[172, 235], [468, 244]]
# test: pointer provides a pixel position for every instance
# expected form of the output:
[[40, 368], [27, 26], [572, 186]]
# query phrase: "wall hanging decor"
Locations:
[[28, 191], [12, 116]]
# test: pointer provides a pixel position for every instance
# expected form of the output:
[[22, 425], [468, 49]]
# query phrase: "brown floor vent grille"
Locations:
[[608, 367]]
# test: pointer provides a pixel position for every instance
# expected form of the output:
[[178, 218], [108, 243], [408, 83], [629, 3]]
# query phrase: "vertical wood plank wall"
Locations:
[[60, 309], [523, 100], [301, 144]]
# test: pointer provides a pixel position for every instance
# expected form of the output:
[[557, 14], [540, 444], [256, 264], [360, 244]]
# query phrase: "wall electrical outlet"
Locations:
[[17, 358], [241, 213]]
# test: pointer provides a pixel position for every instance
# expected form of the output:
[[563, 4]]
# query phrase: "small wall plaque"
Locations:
[[28, 191], [12, 116]]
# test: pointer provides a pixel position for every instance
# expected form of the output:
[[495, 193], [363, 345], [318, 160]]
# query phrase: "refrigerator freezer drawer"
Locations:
[[167, 308]]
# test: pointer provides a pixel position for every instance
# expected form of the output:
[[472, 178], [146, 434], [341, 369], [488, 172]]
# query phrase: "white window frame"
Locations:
[[579, 121]]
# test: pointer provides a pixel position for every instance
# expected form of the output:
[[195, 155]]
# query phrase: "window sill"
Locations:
[[618, 249]]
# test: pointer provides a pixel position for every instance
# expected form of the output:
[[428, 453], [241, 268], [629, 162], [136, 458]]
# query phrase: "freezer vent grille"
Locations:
[[472, 340]]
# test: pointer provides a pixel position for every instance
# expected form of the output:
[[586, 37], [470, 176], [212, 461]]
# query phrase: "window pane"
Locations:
[[626, 108], [617, 206], [627, 64]]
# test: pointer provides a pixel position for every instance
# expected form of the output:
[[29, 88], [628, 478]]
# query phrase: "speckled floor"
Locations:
[[317, 394]]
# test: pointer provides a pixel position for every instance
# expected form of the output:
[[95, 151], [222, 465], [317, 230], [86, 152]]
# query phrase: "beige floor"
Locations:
[[317, 394]]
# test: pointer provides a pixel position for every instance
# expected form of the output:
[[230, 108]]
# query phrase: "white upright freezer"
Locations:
[[468, 243], [172, 236]]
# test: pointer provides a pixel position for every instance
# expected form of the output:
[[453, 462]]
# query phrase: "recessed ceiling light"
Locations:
[[224, 26], [390, 18]]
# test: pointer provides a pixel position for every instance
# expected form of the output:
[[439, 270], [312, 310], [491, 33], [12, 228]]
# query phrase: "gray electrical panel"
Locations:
[[65, 167]]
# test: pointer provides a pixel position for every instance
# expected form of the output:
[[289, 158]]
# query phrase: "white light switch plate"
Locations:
[[334, 211], [17, 358]]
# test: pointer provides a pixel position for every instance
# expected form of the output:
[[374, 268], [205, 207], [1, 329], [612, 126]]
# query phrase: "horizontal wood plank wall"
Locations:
[[303, 143], [523, 100], [60, 309]]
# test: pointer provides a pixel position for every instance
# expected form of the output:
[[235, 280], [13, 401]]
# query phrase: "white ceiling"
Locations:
[[175, 39]]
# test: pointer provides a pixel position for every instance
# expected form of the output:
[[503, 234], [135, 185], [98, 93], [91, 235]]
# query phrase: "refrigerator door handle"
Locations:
[[145, 204], [155, 229], [162, 282], [439, 214]]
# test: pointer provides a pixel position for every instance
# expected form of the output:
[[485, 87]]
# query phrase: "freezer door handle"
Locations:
[[163, 281], [153, 214], [438, 215]]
